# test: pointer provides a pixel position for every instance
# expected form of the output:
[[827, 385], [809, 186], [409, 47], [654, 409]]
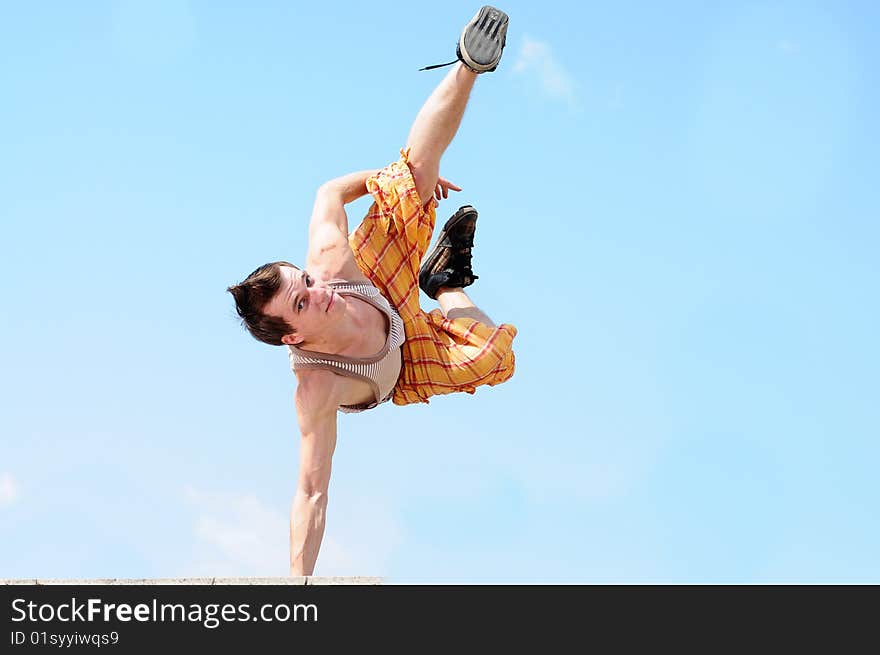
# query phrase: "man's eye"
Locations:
[[300, 305], [308, 280]]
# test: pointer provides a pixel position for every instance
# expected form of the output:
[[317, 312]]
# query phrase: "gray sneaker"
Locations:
[[481, 42]]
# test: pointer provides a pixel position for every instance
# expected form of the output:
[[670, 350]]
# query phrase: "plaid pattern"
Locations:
[[439, 356]]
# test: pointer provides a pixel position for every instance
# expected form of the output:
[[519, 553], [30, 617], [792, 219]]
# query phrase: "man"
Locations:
[[351, 319]]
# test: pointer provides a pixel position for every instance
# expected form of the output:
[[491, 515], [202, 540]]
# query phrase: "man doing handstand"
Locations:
[[351, 319]]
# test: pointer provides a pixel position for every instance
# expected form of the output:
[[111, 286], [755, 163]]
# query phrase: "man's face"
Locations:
[[306, 304]]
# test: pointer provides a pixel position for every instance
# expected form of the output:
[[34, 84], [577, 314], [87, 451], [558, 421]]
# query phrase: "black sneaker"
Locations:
[[449, 263], [481, 42]]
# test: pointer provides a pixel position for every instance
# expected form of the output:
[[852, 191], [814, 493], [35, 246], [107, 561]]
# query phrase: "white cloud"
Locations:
[[9, 489], [238, 535], [361, 538], [536, 59]]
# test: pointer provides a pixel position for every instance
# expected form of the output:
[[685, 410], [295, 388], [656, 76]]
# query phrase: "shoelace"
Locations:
[[462, 262], [427, 68]]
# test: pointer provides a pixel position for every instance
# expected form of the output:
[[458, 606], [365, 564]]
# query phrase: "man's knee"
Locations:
[[470, 312], [425, 175]]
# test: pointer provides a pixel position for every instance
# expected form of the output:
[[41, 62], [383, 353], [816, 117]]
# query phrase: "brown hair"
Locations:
[[251, 297]]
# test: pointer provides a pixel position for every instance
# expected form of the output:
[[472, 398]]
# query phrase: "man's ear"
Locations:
[[292, 339]]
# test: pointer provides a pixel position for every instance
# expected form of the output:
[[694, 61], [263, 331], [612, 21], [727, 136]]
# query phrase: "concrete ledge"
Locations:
[[300, 581]]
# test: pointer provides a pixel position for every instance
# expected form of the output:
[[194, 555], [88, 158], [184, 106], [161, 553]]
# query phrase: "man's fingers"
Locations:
[[443, 187]]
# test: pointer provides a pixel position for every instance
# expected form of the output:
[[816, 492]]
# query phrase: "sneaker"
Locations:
[[481, 42], [449, 263]]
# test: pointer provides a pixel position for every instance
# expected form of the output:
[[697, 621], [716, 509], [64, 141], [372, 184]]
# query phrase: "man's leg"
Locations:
[[455, 303], [479, 51], [436, 125]]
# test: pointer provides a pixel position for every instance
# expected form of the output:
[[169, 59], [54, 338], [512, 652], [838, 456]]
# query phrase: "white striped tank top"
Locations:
[[372, 370]]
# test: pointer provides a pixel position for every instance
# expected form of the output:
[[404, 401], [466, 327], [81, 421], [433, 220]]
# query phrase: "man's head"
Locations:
[[281, 304], [251, 298]]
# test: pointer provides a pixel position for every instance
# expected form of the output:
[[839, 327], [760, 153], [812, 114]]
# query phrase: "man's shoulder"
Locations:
[[317, 380], [330, 254], [319, 390]]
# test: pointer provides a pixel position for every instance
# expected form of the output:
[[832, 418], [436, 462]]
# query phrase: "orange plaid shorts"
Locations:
[[439, 355]]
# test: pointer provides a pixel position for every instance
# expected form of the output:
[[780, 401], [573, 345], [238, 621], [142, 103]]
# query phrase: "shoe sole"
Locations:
[[482, 40], [454, 220]]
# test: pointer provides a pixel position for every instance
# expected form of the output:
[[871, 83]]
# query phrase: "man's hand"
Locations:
[[443, 187]]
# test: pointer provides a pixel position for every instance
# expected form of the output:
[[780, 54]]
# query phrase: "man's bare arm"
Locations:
[[350, 187], [316, 406], [329, 254]]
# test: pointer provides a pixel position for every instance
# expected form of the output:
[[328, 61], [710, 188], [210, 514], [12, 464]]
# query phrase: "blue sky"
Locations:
[[677, 211]]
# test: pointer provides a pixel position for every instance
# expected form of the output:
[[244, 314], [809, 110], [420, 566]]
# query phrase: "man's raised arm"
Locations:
[[348, 188], [316, 406], [329, 254]]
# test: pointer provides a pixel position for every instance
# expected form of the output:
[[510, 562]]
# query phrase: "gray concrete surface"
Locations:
[[313, 580]]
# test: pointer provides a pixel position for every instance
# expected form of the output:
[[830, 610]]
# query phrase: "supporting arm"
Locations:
[[316, 411]]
